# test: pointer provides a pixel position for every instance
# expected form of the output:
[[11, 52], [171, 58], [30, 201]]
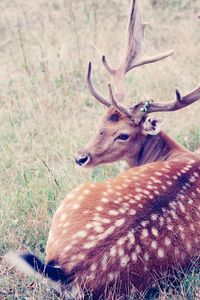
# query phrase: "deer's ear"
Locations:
[[152, 126]]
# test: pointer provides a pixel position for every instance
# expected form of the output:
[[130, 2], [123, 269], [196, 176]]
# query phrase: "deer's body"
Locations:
[[130, 230]]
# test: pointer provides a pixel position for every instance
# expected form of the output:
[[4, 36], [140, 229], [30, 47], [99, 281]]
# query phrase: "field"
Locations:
[[46, 112]]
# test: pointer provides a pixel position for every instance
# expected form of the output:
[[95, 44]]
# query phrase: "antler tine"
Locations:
[[179, 103], [134, 51], [92, 90], [133, 57], [152, 59], [136, 46], [106, 65], [135, 40], [116, 105], [192, 96]]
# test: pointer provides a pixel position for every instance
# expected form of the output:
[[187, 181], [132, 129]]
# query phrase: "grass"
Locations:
[[46, 113]]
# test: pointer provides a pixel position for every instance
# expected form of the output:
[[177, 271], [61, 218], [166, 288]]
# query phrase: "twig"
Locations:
[[23, 51], [50, 172]]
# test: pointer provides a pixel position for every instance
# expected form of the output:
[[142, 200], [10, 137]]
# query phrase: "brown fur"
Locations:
[[130, 230], [139, 149]]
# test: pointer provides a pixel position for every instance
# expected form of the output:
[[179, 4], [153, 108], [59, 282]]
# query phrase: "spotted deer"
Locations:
[[124, 234]]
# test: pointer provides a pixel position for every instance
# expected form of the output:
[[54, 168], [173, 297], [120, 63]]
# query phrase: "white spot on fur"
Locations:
[[121, 241], [120, 251], [86, 192], [93, 267], [138, 249], [188, 246], [99, 208], [105, 221], [132, 212], [119, 222], [113, 251], [134, 257], [66, 224], [67, 248], [113, 212], [138, 197], [124, 261], [154, 217], [70, 196], [63, 217], [167, 241], [89, 225], [81, 234], [154, 231], [190, 201], [98, 228], [161, 253], [154, 244], [176, 251], [131, 238], [158, 173], [146, 257], [89, 245], [122, 210], [75, 206], [81, 256]]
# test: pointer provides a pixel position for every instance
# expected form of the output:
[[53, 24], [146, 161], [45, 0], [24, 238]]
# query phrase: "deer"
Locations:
[[122, 235]]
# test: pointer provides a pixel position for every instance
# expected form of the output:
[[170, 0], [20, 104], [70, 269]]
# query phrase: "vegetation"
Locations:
[[46, 113]]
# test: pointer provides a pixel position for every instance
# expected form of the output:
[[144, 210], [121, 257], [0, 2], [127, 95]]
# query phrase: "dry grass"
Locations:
[[46, 112]]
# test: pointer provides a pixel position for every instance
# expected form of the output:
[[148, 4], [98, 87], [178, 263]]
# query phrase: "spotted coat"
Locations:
[[129, 230]]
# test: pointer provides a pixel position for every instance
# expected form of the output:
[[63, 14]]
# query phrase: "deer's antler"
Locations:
[[92, 90], [133, 57], [134, 52], [137, 111], [180, 102]]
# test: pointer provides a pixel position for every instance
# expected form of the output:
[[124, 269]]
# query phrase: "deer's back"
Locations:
[[130, 229]]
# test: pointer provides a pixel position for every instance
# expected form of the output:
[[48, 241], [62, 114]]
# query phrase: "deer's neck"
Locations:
[[156, 148]]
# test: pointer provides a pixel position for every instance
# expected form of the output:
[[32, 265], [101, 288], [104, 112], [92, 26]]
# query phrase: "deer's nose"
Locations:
[[82, 159]]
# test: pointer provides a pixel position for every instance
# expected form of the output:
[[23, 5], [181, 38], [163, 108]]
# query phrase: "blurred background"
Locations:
[[46, 112]]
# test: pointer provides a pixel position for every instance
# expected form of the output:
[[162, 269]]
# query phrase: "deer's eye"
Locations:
[[123, 136]]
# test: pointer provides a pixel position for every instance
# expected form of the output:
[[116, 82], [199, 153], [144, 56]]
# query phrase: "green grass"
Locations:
[[46, 112]]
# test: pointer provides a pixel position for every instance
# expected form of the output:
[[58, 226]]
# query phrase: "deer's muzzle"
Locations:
[[82, 158]]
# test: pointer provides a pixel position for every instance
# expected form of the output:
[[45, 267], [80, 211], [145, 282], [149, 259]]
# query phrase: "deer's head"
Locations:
[[116, 137], [124, 131]]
